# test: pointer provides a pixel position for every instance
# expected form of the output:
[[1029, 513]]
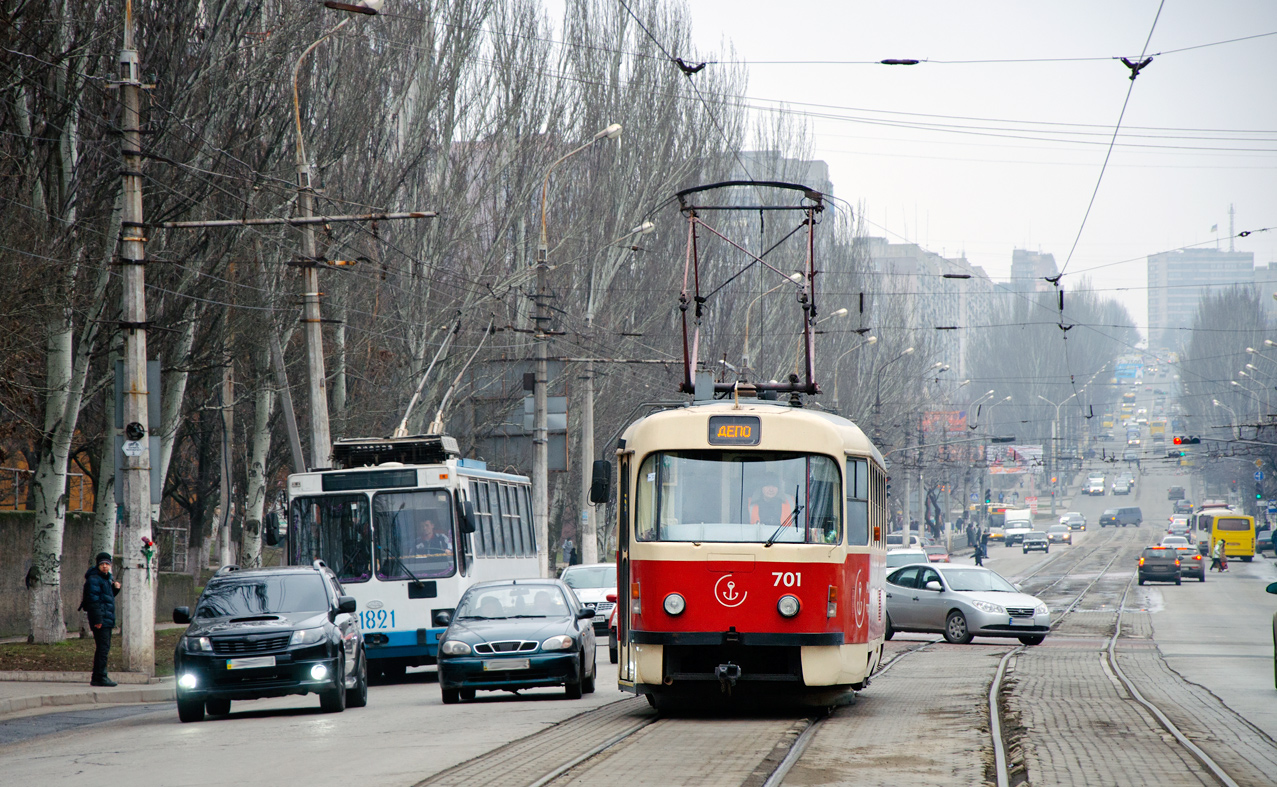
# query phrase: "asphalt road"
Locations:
[[403, 735]]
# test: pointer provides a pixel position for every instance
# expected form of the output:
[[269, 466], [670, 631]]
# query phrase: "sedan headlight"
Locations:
[[561, 642], [454, 647], [991, 608], [306, 636], [198, 644], [1041, 609]]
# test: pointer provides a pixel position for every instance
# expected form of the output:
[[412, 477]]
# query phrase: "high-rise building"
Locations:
[[1177, 280], [1030, 269]]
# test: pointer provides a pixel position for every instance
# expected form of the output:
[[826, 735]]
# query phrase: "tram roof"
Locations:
[[844, 430]]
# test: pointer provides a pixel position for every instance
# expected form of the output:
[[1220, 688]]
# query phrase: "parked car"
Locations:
[[1272, 588], [593, 583], [1035, 539], [517, 634], [936, 554], [1130, 515], [903, 557], [904, 540], [963, 602], [1159, 564], [1264, 537], [1074, 521], [1059, 534], [269, 632]]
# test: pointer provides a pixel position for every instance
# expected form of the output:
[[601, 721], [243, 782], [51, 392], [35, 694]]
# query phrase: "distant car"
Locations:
[[1179, 529], [1159, 564], [1121, 517], [936, 554], [904, 540], [1129, 456], [1191, 562], [1122, 486], [1074, 521], [1094, 486], [593, 583], [1263, 537], [963, 602], [1182, 507], [270, 632], [903, 557], [517, 634], [1059, 534], [1035, 539], [1175, 541], [1175, 493]]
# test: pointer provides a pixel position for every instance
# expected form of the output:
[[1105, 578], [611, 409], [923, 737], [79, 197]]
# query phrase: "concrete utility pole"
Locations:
[[540, 427], [136, 576]]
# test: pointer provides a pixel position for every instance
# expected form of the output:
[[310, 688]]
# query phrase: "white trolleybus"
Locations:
[[408, 525]]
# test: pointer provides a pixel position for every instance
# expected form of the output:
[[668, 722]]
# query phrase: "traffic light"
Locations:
[[988, 495], [1173, 454], [1177, 440], [1259, 491]]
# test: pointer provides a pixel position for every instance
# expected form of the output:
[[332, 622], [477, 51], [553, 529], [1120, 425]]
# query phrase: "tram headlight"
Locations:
[[454, 648], [675, 604], [788, 606]]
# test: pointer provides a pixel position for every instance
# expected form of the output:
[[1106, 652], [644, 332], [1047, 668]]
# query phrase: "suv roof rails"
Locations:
[[225, 570], [320, 565]]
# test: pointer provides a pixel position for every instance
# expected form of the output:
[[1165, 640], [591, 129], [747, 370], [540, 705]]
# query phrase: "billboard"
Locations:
[[945, 421], [1014, 459]]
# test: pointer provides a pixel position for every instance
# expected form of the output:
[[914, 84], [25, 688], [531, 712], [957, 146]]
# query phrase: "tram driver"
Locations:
[[769, 507]]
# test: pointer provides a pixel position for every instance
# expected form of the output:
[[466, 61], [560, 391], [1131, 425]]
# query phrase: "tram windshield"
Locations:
[[334, 529], [413, 532], [737, 496]]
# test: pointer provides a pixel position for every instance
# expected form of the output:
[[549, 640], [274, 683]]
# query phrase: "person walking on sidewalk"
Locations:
[[98, 600]]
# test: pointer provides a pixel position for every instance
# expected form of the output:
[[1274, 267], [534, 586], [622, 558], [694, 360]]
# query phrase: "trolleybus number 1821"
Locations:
[[789, 579], [377, 619]]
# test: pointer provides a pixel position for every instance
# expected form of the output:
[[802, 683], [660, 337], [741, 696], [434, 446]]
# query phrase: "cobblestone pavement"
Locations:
[[923, 723]]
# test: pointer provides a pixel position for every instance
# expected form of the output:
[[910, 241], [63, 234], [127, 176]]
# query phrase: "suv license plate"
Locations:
[[505, 664], [250, 663]]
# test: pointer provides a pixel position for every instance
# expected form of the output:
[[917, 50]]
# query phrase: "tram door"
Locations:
[[625, 672]]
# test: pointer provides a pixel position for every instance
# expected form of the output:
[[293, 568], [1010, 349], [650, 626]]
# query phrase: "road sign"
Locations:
[[133, 448], [975, 498], [1259, 475], [1032, 503], [1259, 463]]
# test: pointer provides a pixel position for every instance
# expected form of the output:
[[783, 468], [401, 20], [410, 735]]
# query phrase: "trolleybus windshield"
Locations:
[[743, 497], [413, 534], [334, 529]]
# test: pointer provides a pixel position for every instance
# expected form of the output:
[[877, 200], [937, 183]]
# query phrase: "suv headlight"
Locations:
[[306, 636], [197, 644], [991, 608], [561, 642], [454, 647]]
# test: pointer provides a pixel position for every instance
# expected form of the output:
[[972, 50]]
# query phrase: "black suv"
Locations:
[[270, 632]]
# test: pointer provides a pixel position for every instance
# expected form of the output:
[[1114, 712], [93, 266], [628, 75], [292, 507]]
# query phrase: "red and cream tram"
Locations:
[[751, 553]]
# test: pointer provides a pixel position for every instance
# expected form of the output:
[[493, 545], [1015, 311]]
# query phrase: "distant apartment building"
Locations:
[[1030, 270], [936, 302], [1178, 279]]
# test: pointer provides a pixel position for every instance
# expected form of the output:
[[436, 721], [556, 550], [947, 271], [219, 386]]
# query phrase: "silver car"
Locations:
[[962, 602]]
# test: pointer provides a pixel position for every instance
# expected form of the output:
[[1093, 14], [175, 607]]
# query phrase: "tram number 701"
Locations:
[[789, 579]]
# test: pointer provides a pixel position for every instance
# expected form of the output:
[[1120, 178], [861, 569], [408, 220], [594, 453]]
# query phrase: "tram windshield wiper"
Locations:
[[787, 521]]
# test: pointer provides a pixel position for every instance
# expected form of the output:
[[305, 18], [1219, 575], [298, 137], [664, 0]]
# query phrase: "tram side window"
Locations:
[[334, 529], [857, 502]]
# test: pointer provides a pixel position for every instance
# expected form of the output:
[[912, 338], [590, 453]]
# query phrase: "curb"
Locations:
[[94, 697], [37, 676]]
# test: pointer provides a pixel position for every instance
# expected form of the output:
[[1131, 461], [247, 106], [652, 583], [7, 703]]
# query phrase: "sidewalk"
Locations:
[[34, 692]]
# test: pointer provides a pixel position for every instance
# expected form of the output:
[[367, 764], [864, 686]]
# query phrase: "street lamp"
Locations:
[[589, 524], [1055, 446], [1231, 412], [868, 340], [793, 278], [320, 436], [540, 430], [878, 391]]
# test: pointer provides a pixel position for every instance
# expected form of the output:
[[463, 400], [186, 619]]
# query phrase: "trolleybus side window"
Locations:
[[334, 529], [498, 520], [529, 529], [483, 513], [511, 515], [414, 535], [857, 502], [739, 496]]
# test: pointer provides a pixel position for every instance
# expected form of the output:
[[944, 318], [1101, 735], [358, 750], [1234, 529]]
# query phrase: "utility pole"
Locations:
[[589, 525], [136, 575], [540, 430]]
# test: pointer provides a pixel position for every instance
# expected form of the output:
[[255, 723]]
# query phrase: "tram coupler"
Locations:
[[727, 675]]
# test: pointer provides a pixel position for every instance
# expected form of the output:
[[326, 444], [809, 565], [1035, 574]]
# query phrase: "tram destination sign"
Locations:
[[734, 430]]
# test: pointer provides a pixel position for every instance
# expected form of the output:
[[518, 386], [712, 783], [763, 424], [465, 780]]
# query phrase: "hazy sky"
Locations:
[[985, 158]]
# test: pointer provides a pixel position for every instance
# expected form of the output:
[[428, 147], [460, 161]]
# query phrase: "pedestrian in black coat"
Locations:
[[98, 600]]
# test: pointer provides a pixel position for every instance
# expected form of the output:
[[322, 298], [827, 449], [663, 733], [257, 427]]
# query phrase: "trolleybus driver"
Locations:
[[433, 543]]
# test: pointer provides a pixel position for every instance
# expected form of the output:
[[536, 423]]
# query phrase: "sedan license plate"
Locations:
[[504, 665], [250, 663], [1021, 621]]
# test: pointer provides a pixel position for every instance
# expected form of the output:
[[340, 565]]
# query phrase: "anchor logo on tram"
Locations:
[[727, 594]]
